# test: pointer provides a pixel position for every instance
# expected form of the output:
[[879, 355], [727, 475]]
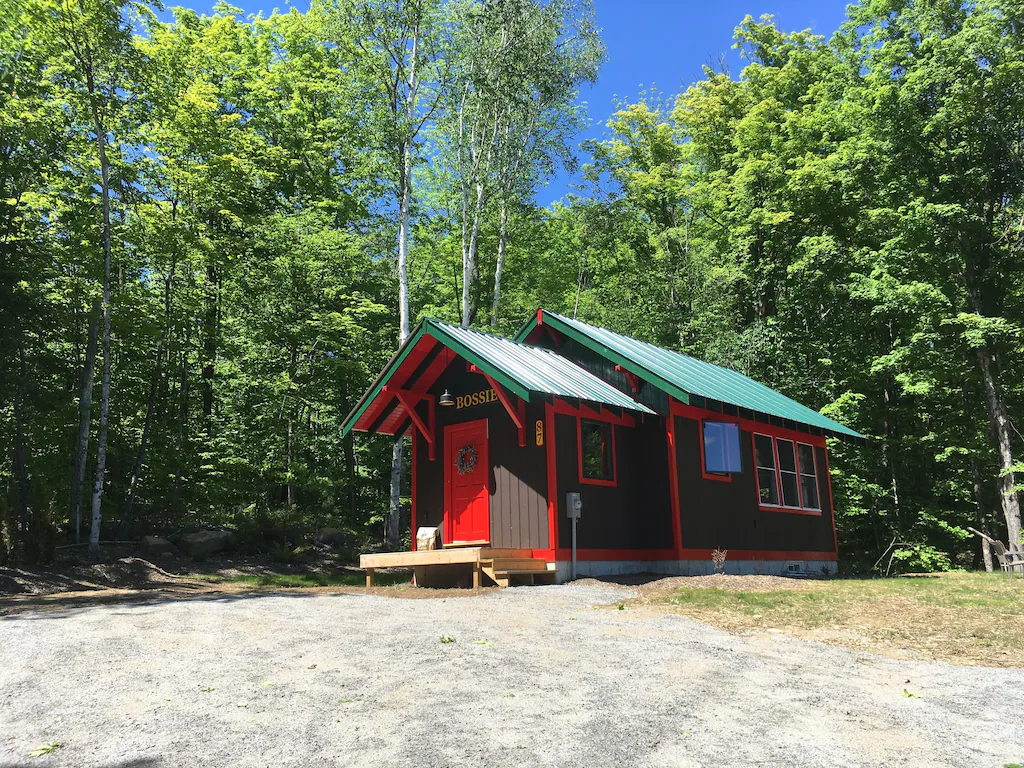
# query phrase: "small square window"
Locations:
[[721, 447], [597, 462]]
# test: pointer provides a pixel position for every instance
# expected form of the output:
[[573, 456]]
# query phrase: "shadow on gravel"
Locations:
[[53, 607], [142, 762]]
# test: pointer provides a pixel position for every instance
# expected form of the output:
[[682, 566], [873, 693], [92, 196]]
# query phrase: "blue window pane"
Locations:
[[721, 446]]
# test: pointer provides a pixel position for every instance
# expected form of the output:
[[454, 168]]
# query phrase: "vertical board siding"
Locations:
[[518, 475], [635, 513], [714, 514]]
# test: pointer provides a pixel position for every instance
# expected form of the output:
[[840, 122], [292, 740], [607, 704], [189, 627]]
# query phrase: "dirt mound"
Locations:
[[124, 573]]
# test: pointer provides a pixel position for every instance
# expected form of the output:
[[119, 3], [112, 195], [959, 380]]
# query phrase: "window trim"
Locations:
[[579, 454], [722, 477], [782, 507]]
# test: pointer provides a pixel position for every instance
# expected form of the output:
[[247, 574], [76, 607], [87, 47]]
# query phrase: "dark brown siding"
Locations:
[[518, 479], [635, 513], [725, 515]]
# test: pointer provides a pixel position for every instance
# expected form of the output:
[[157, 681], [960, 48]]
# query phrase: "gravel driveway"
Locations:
[[535, 676]]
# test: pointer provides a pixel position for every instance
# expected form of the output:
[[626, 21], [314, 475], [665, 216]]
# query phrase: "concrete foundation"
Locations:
[[585, 568]]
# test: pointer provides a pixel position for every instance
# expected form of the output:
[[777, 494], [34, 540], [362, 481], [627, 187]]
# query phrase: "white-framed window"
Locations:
[[787, 474]]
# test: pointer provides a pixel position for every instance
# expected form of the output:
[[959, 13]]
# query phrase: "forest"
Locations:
[[216, 229]]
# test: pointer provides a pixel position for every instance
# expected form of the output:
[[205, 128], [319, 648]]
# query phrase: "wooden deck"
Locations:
[[502, 566]]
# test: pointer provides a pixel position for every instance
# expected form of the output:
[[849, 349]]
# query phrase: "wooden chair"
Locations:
[[1009, 561]]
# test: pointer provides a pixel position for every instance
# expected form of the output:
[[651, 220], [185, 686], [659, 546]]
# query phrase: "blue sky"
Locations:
[[665, 43], [651, 43]]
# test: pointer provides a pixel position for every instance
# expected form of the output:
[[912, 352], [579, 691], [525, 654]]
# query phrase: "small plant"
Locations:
[[481, 641], [46, 749], [446, 639], [206, 689], [908, 695], [621, 606], [826, 571], [718, 559]]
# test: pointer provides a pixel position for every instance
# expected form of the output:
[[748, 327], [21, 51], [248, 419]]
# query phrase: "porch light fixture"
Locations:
[[446, 399]]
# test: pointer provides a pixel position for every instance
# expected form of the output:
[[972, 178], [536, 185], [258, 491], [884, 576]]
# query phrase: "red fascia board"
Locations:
[[562, 407], [395, 374]]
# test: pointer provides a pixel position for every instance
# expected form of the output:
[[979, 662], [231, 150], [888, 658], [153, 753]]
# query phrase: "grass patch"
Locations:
[[350, 579], [961, 617]]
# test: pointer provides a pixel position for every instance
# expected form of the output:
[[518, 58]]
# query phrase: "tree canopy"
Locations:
[[222, 224]]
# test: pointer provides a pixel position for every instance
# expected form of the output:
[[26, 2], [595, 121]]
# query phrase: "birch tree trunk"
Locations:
[[404, 212], [101, 440], [500, 264], [469, 263], [84, 421]]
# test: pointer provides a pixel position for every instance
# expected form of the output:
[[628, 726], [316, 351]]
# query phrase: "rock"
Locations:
[[156, 545], [331, 537], [205, 543]]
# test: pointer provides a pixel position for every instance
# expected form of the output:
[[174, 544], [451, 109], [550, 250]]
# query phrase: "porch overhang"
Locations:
[[399, 400]]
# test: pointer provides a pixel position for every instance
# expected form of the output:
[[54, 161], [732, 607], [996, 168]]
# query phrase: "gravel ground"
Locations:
[[536, 676]]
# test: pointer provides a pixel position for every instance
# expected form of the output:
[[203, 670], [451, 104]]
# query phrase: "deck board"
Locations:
[[439, 557]]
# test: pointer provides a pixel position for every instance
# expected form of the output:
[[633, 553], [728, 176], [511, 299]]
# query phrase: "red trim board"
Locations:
[[549, 443], [412, 493], [673, 483]]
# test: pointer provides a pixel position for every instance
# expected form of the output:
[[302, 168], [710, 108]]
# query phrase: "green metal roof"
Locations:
[[536, 369], [680, 374], [519, 367]]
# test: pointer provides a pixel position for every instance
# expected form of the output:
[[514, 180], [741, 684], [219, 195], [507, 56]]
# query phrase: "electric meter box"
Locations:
[[573, 504]]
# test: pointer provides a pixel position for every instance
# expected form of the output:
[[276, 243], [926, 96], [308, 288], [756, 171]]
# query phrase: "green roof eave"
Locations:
[[429, 327], [696, 378]]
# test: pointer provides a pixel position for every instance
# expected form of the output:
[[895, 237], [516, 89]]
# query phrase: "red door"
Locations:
[[466, 483]]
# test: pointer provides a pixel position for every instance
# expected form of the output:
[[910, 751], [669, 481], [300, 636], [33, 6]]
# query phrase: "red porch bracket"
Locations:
[[517, 413], [408, 400], [632, 378]]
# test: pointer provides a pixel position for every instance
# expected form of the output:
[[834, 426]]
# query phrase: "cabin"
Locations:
[[571, 450]]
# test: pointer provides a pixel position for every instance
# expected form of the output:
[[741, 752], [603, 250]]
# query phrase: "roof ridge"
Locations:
[[667, 349], [481, 333]]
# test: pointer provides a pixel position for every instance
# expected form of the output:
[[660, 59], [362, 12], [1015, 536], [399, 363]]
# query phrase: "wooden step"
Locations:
[[506, 578], [517, 563], [504, 570]]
